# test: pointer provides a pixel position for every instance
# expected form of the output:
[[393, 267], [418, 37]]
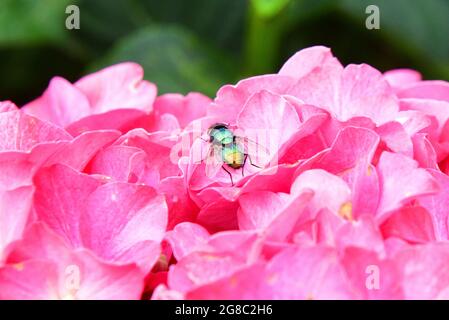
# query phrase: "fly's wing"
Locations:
[[258, 155], [199, 151], [213, 161]]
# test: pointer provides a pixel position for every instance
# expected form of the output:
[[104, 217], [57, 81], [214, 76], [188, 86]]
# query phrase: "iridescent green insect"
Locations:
[[227, 151]]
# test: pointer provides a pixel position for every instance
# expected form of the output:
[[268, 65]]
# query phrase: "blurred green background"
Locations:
[[199, 45]]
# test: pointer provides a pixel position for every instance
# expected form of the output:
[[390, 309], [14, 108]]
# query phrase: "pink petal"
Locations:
[[116, 162], [351, 147], [38, 242], [30, 280], [186, 238], [425, 275], [438, 109], [362, 233], [399, 78], [413, 224], [330, 191], [124, 223], [180, 206], [364, 92], [163, 293], [424, 152], [356, 91], [212, 218], [244, 245], [242, 285], [122, 120], [200, 268], [56, 269], [319, 85], [17, 168], [15, 208], [275, 179], [268, 117], [78, 152], [259, 209], [120, 222], [349, 157], [158, 162], [327, 224], [20, 132], [396, 138], [401, 181], [118, 87], [44, 279], [307, 140], [61, 103], [365, 189], [306, 60], [435, 90], [361, 264], [60, 199], [231, 99], [104, 281], [415, 121], [6, 106], [185, 108], [306, 273], [274, 215], [437, 205]]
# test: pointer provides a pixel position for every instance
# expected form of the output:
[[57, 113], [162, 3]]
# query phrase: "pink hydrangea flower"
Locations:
[[106, 190]]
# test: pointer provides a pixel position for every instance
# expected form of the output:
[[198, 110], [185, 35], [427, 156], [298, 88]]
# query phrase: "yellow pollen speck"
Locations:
[[105, 178], [19, 266], [134, 86], [345, 172], [346, 211], [210, 257], [68, 296], [310, 296], [369, 171], [163, 262]]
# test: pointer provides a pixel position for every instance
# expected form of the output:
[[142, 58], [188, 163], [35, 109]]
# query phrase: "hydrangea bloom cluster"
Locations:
[[102, 195]]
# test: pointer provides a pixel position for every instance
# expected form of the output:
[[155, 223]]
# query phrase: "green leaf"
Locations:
[[32, 22], [220, 22], [174, 59], [270, 24], [416, 27], [269, 8], [105, 21], [302, 10]]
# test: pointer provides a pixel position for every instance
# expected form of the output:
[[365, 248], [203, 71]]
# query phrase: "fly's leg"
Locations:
[[243, 166], [247, 156], [251, 161], [230, 175]]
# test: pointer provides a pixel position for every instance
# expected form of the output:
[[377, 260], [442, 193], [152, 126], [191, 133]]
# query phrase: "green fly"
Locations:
[[228, 151]]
